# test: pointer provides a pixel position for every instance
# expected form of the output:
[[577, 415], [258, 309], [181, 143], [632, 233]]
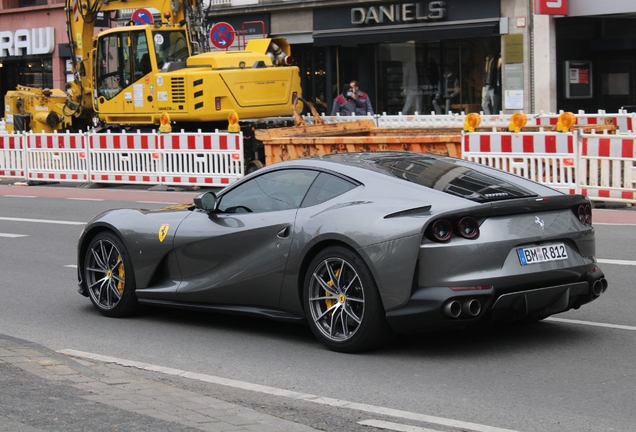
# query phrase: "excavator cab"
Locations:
[[126, 61]]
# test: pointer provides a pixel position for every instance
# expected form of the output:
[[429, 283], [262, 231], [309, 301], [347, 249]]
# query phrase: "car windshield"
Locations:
[[455, 179]]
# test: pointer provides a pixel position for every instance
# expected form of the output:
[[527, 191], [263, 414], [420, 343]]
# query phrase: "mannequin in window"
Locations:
[[448, 90], [492, 80], [412, 89]]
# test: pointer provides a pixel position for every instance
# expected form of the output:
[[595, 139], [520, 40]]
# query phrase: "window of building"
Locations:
[[439, 77], [35, 73]]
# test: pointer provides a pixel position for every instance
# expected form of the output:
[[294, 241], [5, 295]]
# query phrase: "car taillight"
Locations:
[[441, 230], [467, 227], [583, 213]]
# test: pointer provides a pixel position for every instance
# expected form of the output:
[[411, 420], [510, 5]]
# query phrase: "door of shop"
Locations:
[[618, 80]]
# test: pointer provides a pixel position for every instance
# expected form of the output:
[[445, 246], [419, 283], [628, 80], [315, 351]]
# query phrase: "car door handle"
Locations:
[[284, 233]]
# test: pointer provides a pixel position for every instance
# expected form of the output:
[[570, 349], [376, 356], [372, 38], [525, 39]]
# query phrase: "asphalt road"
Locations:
[[552, 376]]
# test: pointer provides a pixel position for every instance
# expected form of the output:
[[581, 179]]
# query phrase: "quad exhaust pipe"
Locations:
[[470, 307]]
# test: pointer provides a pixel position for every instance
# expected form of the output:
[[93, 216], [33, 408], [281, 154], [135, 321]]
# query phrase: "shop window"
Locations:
[[439, 77], [36, 73], [312, 63]]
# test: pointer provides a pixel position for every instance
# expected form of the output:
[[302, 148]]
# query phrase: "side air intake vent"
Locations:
[[178, 90]]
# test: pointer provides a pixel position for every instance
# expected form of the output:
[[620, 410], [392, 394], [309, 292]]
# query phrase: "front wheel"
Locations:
[[342, 302], [109, 276]]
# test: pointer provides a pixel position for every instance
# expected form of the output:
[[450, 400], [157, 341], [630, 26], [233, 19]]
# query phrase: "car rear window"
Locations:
[[326, 187], [454, 179]]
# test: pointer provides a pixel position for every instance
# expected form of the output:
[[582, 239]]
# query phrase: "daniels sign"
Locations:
[[399, 13], [551, 7], [27, 42]]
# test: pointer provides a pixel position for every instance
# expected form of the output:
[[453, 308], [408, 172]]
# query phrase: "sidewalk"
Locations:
[[42, 390]]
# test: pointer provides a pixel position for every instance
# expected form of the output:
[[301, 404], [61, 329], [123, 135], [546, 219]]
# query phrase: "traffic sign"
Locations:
[[142, 16], [222, 35]]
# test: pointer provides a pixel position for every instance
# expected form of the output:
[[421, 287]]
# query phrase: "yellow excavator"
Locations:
[[128, 76]]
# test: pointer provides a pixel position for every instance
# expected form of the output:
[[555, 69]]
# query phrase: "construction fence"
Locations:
[[600, 166], [623, 122], [189, 159]]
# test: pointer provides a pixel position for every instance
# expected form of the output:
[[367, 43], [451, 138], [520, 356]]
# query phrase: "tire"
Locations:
[[254, 165], [342, 302], [109, 276]]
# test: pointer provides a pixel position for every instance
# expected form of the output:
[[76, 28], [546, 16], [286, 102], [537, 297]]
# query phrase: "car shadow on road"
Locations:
[[482, 341]]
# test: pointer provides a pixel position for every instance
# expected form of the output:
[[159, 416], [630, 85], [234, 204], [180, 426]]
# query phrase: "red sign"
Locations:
[[551, 7], [222, 35], [141, 17]]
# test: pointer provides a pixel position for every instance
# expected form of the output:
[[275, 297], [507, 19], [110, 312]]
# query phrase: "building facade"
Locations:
[[29, 34], [408, 56]]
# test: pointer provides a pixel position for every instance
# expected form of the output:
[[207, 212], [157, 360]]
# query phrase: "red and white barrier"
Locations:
[[12, 156], [545, 157], [124, 158], [201, 159], [623, 121], [426, 121], [607, 167], [56, 157]]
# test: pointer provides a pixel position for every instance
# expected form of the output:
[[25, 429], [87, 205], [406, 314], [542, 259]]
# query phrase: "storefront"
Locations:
[[596, 56], [28, 48], [429, 56]]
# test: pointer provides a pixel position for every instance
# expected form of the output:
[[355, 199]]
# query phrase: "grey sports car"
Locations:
[[359, 245]]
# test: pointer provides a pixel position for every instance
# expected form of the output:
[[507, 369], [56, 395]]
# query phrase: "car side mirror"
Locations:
[[206, 201]]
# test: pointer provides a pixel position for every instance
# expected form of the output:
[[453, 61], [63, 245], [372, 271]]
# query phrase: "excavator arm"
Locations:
[[135, 74], [80, 25]]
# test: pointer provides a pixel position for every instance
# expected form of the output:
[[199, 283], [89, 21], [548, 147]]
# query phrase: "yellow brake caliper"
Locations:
[[121, 273], [330, 302]]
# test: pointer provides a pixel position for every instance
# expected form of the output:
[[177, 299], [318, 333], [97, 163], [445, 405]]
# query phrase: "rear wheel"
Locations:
[[342, 302], [109, 276]]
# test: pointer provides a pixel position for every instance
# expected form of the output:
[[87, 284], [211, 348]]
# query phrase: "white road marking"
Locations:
[[593, 324], [613, 261], [71, 266], [12, 235], [339, 403], [19, 196], [59, 222], [86, 199], [393, 426]]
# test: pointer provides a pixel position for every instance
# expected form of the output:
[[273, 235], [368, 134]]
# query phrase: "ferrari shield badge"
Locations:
[[163, 232]]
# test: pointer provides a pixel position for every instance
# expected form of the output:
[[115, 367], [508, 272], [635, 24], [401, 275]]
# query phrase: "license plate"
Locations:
[[538, 254]]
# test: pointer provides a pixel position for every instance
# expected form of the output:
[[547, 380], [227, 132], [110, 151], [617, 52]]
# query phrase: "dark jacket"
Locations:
[[363, 104], [343, 104]]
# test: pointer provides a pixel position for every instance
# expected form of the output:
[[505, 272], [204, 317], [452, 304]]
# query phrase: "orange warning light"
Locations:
[[565, 122], [471, 122], [233, 120], [164, 121], [517, 122]]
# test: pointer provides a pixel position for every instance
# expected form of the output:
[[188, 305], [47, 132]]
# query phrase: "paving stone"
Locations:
[[41, 390]]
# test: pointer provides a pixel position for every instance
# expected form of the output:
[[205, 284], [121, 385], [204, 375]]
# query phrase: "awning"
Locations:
[[401, 33]]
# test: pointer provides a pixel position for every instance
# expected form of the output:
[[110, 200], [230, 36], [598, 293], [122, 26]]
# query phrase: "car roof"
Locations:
[[453, 176]]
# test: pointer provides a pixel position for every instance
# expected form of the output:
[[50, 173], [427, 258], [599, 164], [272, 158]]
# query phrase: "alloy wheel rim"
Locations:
[[105, 274], [336, 299]]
